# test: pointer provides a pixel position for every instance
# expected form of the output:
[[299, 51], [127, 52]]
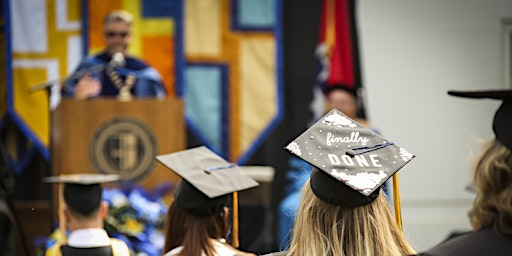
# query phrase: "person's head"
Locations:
[[199, 211], [342, 209], [117, 31], [323, 229], [492, 172], [194, 231], [343, 99], [492, 178], [84, 207], [82, 197]]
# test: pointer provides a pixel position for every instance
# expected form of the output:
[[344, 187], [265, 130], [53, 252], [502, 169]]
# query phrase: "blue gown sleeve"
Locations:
[[90, 65]]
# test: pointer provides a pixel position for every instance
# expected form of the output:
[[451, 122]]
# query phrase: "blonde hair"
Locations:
[[322, 229], [492, 176], [118, 15]]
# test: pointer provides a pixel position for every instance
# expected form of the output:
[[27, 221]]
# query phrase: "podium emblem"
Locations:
[[123, 146]]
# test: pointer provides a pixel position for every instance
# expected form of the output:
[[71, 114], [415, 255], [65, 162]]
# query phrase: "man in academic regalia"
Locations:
[[114, 70]]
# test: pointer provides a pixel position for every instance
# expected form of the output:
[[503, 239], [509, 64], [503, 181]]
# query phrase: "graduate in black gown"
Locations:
[[198, 218], [84, 213], [343, 210], [491, 214]]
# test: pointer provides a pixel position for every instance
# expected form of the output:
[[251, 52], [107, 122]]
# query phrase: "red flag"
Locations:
[[338, 49]]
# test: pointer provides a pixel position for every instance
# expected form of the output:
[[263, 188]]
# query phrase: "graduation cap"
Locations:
[[208, 181], [502, 123], [351, 162], [81, 193]]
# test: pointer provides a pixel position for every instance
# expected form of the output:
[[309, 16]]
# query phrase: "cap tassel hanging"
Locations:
[[235, 242], [62, 220], [396, 201]]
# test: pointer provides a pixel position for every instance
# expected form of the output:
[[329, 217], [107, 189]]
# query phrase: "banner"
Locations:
[[44, 44], [232, 89]]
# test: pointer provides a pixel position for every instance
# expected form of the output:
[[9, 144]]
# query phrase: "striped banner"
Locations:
[[43, 44], [232, 90]]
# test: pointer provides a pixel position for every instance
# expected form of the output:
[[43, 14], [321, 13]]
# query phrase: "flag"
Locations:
[[337, 53]]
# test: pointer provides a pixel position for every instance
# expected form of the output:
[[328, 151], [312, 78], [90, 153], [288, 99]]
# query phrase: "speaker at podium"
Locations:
[[111, 136]]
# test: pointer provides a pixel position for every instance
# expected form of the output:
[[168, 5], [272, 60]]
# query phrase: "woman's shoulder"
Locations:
[[276, 254], [174, 251]]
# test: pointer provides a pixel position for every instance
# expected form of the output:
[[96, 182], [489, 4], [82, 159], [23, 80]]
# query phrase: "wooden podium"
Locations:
[[117, 137]]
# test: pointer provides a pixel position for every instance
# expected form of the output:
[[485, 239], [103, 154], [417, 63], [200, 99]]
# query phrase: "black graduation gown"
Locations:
[[97, 251], [481, 242]]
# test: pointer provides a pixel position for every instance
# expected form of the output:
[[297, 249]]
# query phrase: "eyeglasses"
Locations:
[[111, 34]]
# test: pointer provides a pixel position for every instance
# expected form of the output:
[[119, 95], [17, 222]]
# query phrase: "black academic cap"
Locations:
[[350, 161], [502, 124], [208, 180], [82, 192]]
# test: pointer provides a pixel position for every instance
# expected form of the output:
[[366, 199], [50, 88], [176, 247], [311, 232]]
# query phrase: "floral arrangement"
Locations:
[[136, 216]]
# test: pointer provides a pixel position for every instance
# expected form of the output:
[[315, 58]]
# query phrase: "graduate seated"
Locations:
[[491, 214], [84, 213], [198, 218], [343, 210]]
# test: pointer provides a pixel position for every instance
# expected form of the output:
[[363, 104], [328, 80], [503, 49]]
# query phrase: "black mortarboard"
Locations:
[[350, 161], [82, 192], [502, 123], [208, 180]]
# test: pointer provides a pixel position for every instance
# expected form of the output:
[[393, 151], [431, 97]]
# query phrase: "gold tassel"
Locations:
[[235, 241], [62, 220], [396, 199]]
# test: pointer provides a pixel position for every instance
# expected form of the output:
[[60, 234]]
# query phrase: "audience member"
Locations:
[[342, 210], [84, 213], [491, 214], [197, 220], [337, 97]]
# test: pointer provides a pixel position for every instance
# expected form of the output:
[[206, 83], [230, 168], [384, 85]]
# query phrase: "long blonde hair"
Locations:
[[322, 229], [492, 176]]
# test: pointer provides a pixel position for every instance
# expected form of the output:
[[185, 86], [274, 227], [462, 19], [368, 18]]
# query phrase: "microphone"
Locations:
[[117, 60]]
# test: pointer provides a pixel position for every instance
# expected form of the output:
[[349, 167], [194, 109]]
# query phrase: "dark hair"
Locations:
[[82, 200], [351, 90], [193, 231]]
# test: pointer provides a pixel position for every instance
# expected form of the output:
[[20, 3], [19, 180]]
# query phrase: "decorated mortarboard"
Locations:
[[502, 123], [351, 162], [82, 192], [208, 180]]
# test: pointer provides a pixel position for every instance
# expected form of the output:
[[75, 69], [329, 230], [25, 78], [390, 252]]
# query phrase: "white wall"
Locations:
[[413, 51]]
